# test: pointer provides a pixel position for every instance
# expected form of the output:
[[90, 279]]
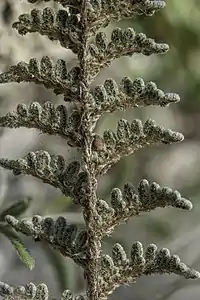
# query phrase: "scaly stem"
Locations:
[[89, 211]]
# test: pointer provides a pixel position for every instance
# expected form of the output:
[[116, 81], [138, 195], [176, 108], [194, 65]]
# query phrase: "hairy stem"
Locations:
[[89, 210]]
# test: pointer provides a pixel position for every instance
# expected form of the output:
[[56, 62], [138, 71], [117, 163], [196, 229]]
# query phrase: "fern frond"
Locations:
[[33, 292], [48, 118], [129, 138], [118, 270], [109, 97], [60, 26], [52, 77], [51, 169], [131, 202], [30, 291], [100, 13], [123, 43], [66, 238]]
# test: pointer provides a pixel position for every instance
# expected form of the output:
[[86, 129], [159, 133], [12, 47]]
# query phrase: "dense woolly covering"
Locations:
[[72, 26]]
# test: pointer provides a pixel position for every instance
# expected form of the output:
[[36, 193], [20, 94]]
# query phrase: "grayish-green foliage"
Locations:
[[72, 26]]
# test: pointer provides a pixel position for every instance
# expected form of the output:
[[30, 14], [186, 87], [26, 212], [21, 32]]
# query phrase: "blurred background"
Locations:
[[176, 166]]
